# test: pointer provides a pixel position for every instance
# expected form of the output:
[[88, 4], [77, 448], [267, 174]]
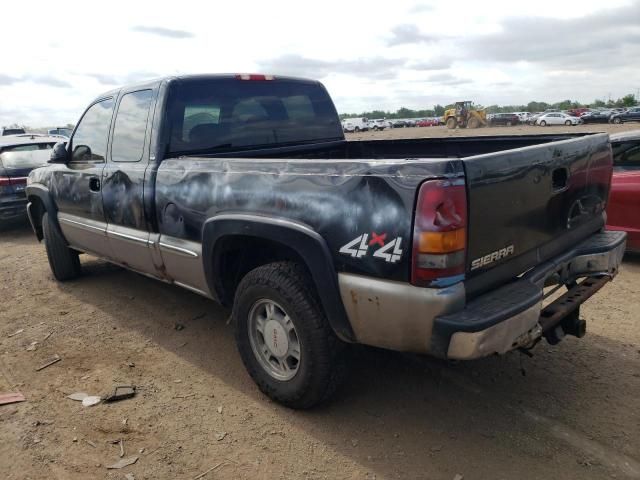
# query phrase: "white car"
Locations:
[[557, 118], [378, 124], [358, 124]]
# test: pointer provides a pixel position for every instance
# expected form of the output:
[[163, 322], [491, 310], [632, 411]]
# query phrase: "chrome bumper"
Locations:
[[399, 316], [510, 317]]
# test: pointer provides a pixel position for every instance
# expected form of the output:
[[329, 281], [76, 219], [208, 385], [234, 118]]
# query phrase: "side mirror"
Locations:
[[59, 154]]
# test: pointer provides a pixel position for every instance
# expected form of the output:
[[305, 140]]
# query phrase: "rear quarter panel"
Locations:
[[358, 207]]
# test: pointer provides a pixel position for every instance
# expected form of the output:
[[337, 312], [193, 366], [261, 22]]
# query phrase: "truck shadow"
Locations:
[[398, 413]]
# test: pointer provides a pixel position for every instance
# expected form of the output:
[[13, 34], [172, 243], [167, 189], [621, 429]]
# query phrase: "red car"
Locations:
[[623, 211], [428, 122]]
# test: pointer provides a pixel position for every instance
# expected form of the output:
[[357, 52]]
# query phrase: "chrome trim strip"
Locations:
[[193, 289], [133, 238], [81, 224], [173, 248]]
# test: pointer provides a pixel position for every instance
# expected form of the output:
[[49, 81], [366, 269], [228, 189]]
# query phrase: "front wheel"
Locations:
[[284, 338], [64, 262], [617, 120], [451, 123], [568, 123], [543, 123]]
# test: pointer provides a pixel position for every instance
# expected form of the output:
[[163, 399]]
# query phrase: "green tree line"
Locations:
[[438, 110]]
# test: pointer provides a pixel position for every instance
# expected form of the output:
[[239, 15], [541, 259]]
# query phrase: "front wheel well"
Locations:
[[36, 212], [236, 255]]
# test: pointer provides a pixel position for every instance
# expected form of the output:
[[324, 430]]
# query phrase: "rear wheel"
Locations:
[[357, 129], [64, 262], [617, 120], [509, 123], [284, 338], [543, 123], [451, 123]]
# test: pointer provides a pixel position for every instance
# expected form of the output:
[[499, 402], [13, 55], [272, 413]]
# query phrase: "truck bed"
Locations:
[[522, 193]]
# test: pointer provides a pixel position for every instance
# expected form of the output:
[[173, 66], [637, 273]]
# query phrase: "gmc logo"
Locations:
[[492, 257]]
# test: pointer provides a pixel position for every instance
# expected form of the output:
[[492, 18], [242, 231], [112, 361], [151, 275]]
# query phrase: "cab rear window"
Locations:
[[218, 115]]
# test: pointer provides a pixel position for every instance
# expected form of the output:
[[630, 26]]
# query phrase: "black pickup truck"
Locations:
[[243, 189]]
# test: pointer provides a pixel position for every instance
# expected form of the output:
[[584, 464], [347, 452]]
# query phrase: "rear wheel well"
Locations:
[[236, 255], [36, 211]]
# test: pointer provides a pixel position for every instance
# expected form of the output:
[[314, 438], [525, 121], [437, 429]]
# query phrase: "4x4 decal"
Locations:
[[359, 247]]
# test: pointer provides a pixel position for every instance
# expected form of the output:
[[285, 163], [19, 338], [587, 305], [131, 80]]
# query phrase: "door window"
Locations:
[[131, 126], [90, 139], [626, 155]]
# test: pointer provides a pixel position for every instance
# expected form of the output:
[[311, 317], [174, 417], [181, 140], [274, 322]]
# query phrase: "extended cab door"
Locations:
[[128, 228], [77, 186]]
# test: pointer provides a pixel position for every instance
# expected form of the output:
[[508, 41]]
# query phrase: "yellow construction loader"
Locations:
[[463, 115]]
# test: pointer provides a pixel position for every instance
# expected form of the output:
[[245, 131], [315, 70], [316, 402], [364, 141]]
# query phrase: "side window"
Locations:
[[626, 154], [90, 139], [131, 126]]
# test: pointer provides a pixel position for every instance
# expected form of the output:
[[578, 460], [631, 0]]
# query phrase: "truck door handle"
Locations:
[[94, 184]]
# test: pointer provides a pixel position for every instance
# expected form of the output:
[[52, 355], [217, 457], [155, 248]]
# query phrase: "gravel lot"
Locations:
[[570, 412]]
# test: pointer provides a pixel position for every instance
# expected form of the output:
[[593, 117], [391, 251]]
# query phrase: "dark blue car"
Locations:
[[19, 154]]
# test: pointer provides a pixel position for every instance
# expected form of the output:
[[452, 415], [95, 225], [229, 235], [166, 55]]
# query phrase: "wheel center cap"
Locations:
[[276, 338]]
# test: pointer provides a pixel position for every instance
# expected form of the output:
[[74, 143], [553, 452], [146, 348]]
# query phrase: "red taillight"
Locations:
[[439, 233], [253, 76], [8, 181]]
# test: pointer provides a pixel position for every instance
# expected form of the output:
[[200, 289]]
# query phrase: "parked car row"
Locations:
[[362, 124]]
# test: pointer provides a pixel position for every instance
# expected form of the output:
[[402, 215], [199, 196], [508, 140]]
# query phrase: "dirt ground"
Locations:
[[570, 412]]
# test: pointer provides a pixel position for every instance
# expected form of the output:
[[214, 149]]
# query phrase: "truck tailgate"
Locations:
[[529, 204]]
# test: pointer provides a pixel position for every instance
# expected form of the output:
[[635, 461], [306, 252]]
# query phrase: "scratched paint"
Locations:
[[339, 199]]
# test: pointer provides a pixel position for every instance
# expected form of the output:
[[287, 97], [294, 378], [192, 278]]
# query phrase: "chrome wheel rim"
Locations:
[[274, 339]]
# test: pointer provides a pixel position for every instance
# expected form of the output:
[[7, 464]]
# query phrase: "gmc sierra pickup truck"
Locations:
[[242, 188]]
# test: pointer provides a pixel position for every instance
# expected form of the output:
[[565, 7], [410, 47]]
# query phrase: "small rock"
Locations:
[[354, 442], [78, 396], [141, 450], [131, 364], [91, 401], [220, 409], [32, 346], [458, 477], [75, 439], [220, 436], [436, 448], [125, 462], [396, 435], [129, 476], [178, 327]]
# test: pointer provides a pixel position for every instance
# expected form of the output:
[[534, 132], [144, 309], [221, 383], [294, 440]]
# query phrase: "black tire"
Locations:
[[543, 123], [64, 262], [321, 366], [357, 129], [568, 123], [617, 120]]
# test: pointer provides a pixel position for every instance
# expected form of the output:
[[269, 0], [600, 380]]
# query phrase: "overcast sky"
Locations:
[[57, 56]]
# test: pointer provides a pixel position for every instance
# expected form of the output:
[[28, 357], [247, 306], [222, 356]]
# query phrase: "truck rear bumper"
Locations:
[[512, 316], [400, 316]]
